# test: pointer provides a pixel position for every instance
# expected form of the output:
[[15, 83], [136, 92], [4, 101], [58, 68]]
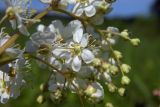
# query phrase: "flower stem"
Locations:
[[3, 19]]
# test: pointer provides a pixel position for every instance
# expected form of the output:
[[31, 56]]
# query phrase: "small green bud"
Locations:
[[118, 54], [125, 68], [125, 34], [40, 99], [113, 69], [42, 87], [109, 104], [111, 88], [96, 62], [121, 91], [135, 41], [125, 80], [105, 65]]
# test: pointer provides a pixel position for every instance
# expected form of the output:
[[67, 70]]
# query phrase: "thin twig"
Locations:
[[79, 95]]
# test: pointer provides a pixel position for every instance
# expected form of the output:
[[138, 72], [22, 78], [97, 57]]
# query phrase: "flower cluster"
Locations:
[[79, 55]]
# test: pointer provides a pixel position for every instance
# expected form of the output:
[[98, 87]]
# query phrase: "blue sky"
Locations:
[[122, 8]]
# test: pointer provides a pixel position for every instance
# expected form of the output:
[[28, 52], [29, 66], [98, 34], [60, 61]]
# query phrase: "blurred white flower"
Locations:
[[18, 13], [11, 82]]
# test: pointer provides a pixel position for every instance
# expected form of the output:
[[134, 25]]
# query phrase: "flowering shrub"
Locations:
[[79, 55]]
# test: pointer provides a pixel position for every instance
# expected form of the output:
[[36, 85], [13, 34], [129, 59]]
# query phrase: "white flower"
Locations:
[[64, 32], [11, 82], [41, 41], [60, 3], [99, 94], [89, 7], [85, 6], [95, 91], [19, 13], [80, 52]]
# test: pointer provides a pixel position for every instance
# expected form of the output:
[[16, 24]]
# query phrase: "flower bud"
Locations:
[[109, 104], [118, 54], [113, 69], [111, 88], [105, 65], [121, 91], [125, 68], [125, 34], [40, 99], [135, 41], [42, 87], [125, 80], [96, 62]]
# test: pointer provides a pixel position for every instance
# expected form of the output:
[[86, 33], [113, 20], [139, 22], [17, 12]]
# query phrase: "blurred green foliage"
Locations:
[[144, 60]]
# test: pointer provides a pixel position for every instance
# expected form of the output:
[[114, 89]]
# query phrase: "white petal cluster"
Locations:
[[11, 80], [11, 74], [18, 13]]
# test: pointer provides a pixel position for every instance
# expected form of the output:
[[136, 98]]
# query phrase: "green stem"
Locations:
[[3, 19], [79, 95]]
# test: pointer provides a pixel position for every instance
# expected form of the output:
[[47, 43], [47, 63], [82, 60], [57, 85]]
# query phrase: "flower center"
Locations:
[[77, 49], [10, 13]]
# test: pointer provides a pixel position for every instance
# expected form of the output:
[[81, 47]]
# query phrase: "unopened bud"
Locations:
[[42, 87], [135, 41], [105, 65], [40, 99], [96, 62], [113, 69], [125, 34], [125, 80], [125, 68], [111, 88], [118, 54], [121, 91], [109, 104]]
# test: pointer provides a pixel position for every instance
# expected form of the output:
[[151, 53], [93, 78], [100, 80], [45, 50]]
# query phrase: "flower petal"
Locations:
[[76, 64], [23, 30], [4, 98], [77, 35], [90, 11], [87, 56], [13, 24], [46, 1], [84, 40], [41, 28]]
